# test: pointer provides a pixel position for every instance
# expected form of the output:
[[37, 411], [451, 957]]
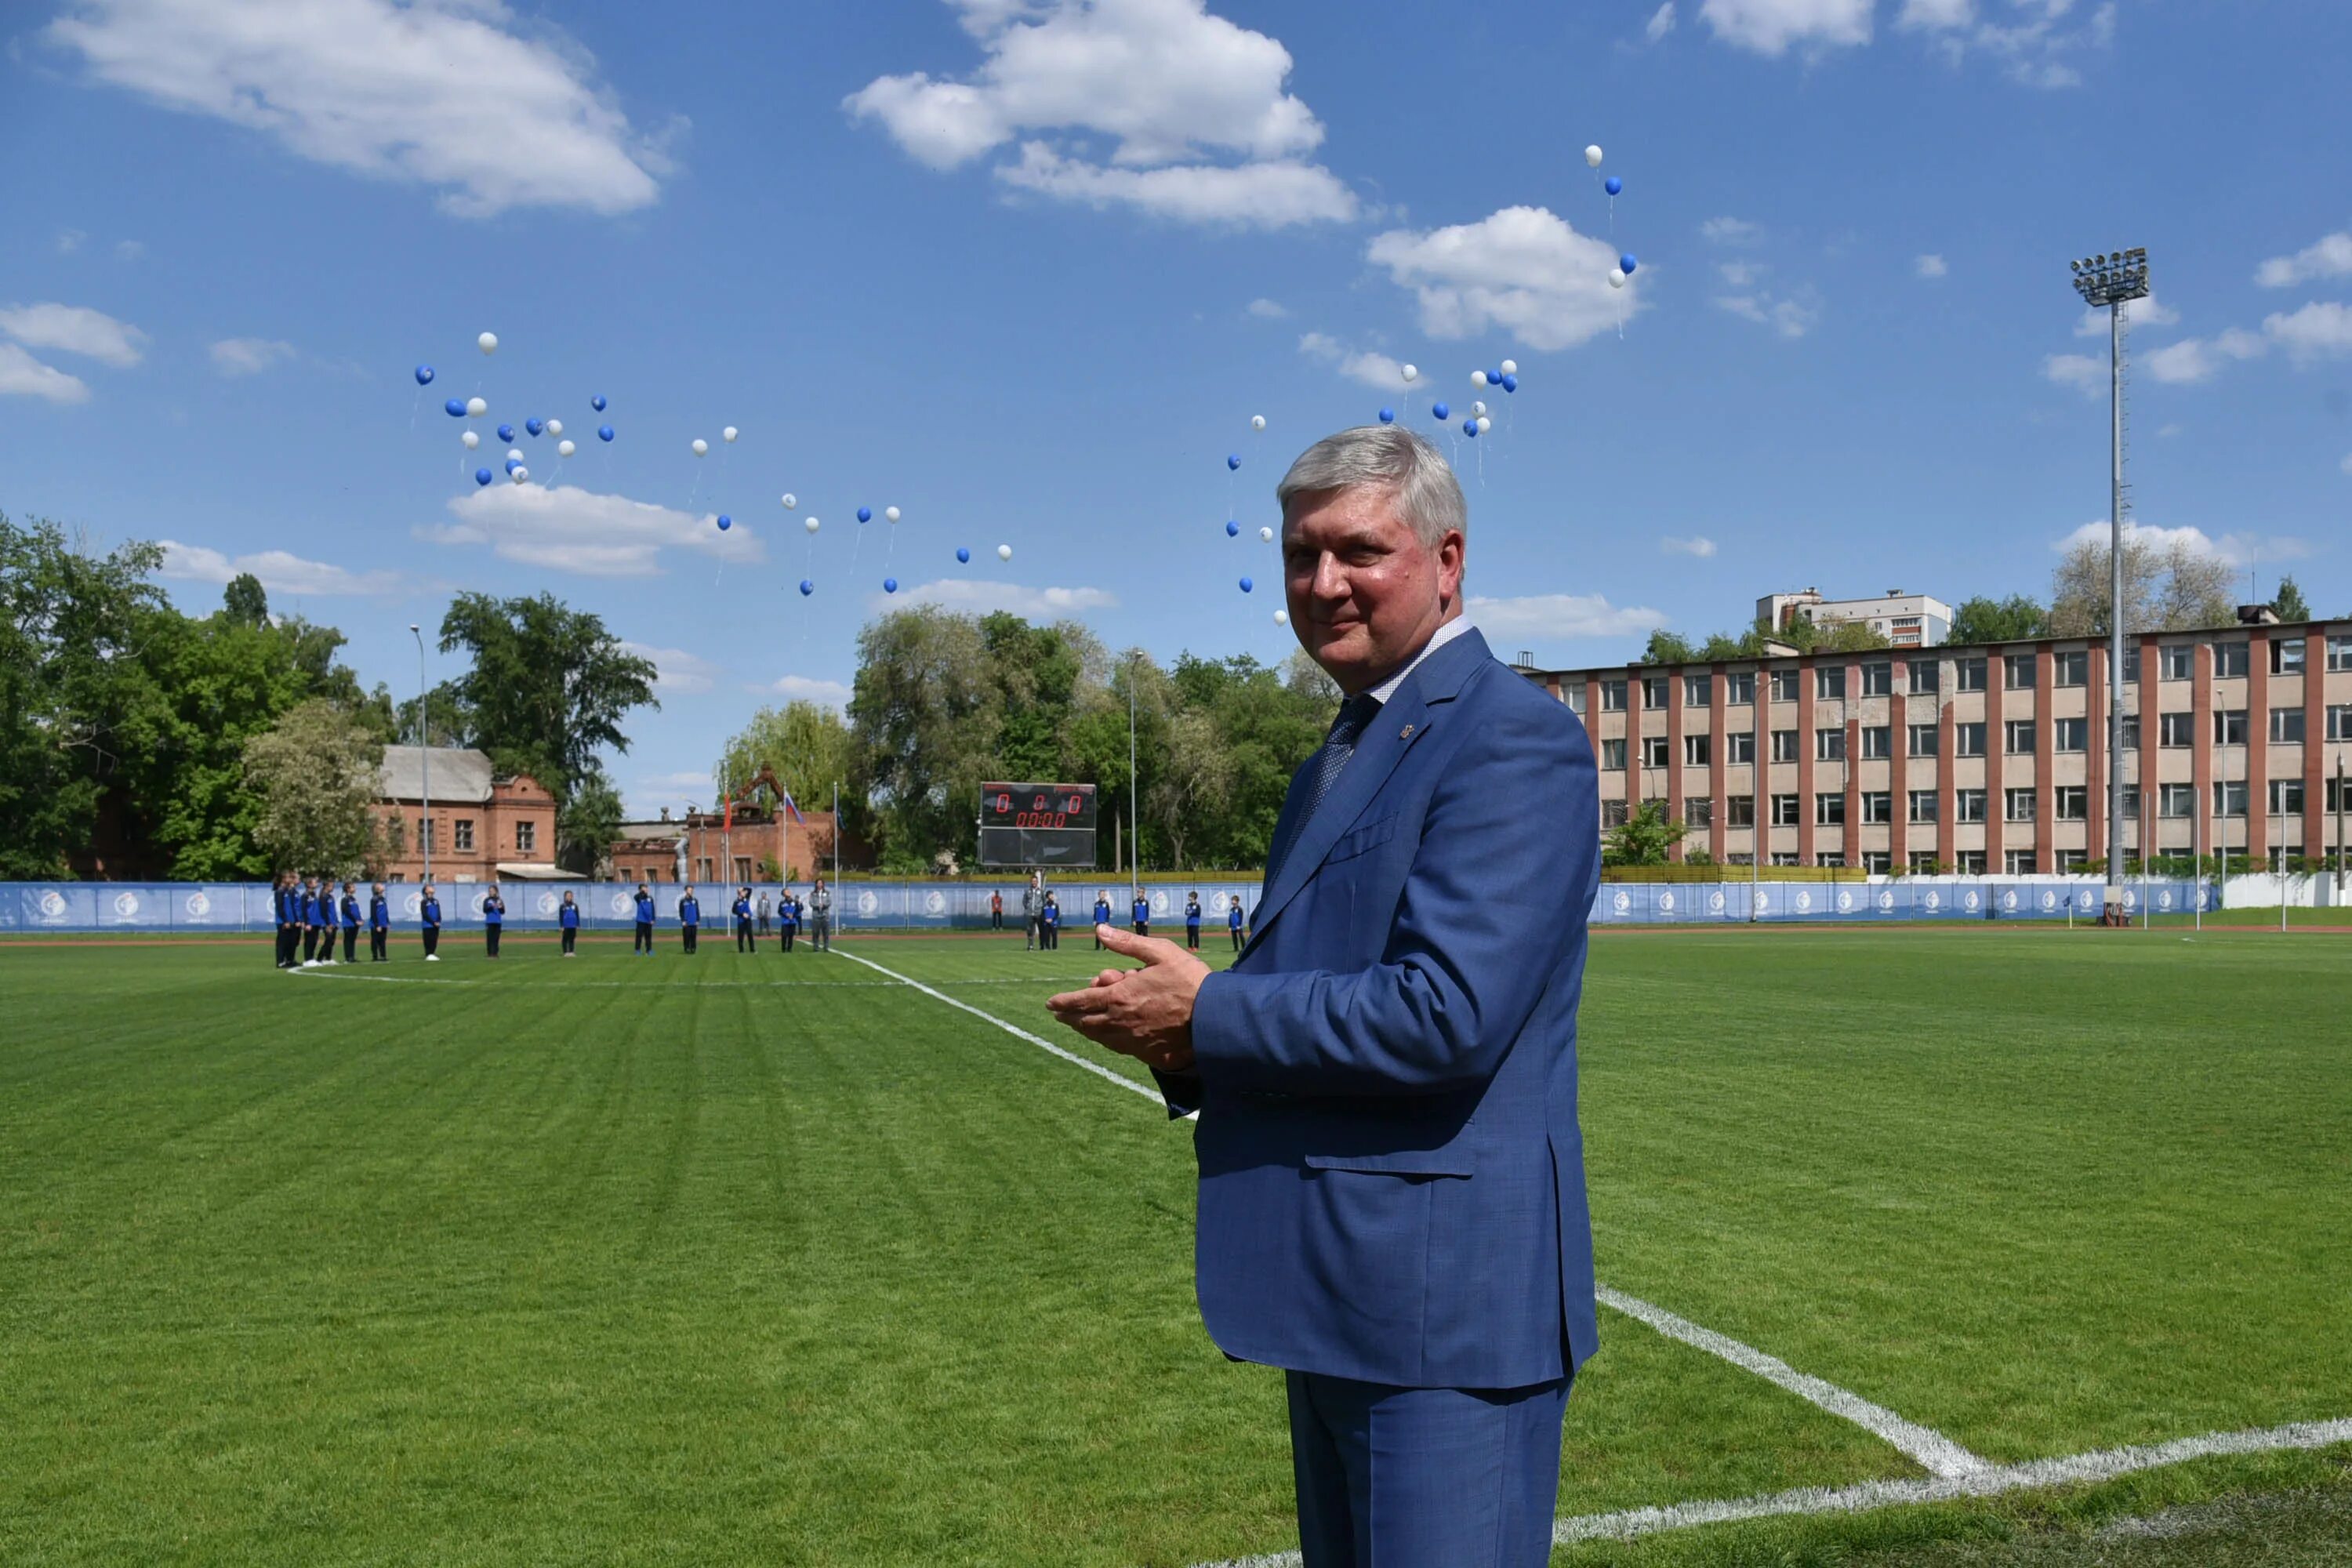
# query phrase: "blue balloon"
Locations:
[[1388, 415], [424, 376], [1234, 461], [1493, 378], [604, 432], [725, 522], [506, 433], [807, 588], [1245, 585], [535, 424], [1470, 425], [889, 584], [1613, 184], [1626, 263], [457, 407], [1440, 411], [1511, 382], [1232, 528], [963, 555], [481, 476], [866, 514], [597, 403], [513, 463]]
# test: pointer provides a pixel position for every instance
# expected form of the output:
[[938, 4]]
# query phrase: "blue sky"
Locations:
[[1027, 269]]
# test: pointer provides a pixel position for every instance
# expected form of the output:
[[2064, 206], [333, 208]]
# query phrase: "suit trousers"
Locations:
[[1425, 1478]]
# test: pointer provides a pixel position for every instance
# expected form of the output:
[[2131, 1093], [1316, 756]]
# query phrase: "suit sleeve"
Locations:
[[1496, 899]]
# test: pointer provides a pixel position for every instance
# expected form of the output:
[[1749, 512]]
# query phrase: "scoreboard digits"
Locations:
[[1036, 824]]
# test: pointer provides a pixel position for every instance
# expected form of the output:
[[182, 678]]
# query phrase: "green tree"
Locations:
[[2017, 619], [548, 688], [925, 712], [586, 824], [1646, 837], [809, 747], [2168, 585], [244, 601], [1668, 648], [2288, 603], [314, 773]]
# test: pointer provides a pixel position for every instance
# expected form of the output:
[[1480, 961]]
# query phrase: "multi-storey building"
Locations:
[[483, 825], [1906, 620], [1985, 759]]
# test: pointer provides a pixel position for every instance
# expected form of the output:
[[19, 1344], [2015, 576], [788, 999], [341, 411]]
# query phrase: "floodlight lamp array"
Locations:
[[2112, 276]]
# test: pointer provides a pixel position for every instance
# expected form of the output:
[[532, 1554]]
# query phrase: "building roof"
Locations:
[[537, 871], [459, 773]]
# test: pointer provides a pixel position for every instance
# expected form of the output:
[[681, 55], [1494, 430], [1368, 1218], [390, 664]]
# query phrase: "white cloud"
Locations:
[[2329, 257], [1374, 369], [807, 689], [1929, 265], [2083, 373], [1771, 27], [1791, 317], [581, 530], [1936, 13], [688, 789], [249, 356], [75, 329], [1662, 22], [2193, 360], [280, 570], [69, 240], [441, 94], [2235, 549], [2148, 311], [22, 375], [980, 596], [1698, 545], [2346, 464], [129, 250], [1727, 230], [2320, 330], [1268, 309], [2035, 42], [1520, 269], [1257, 196], [1561, 615], [1742, 274], [1193, 106], [681, 674]]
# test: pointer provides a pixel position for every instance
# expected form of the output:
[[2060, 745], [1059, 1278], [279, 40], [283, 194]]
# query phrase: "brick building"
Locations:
[[483, 825], [1985, 759], [764, 847]]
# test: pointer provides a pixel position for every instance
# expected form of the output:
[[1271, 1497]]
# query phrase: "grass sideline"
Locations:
[[668, 1262]]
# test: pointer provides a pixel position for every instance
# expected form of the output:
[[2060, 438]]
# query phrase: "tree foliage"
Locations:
[[314, 776], [807, 745], [2169, 585], [2017, 619], [2289, 602], [1646, 837]]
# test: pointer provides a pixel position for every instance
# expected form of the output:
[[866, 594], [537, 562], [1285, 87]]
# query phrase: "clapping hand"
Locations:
[[1144, 1013]]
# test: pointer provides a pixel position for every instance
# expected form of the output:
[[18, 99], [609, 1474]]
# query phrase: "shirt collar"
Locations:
[[1437, 639]]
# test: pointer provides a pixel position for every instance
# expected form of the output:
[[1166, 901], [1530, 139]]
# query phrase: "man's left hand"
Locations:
[[1144, 1013]]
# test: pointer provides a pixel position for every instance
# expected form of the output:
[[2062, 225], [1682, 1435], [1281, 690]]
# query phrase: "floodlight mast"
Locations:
[[2113, 279]]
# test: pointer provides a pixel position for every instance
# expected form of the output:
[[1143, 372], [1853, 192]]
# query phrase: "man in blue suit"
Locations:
[[1392, 1205]]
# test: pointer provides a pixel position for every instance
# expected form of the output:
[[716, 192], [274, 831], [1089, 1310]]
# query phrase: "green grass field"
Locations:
[[767, 1260]]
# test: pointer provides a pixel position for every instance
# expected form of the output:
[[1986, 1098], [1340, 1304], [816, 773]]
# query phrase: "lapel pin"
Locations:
[[1405, 733]]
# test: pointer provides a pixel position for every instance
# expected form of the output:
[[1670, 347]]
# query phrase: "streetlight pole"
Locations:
[[1134, 830], [2114, 280], [424, 753]]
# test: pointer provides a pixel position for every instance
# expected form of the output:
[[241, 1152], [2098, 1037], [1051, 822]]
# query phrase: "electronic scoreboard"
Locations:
[[1041, 824]]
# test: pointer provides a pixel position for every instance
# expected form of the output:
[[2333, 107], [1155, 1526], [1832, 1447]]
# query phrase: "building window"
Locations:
[[1967, 806], [2339, 797], [2131, 802], [2228, 660], [1784, 745], [424, 833], [1740, 746], [2071, 668], [2177, 660], [705, 870], [1829, 682], [1739, 689], [2017, 671], [1783, 858], [1969, 862], [2017, 737], [2286, 655], [2228, 726], [1924, 675], [462, 832], [2070, 734], [1878, 679], [1876, 862], [1829, 859], [1829, 745], [1878, 805], [1653, 692], [1696, 749], [1784, 811], [2020, 805], [2131, 731], [742, 870], [1612, 696], [1612, 756], [1731, 859], [2286, 798], [1829, 809], [1784, 686], [1921, 739], [1923, 806], [2019, 862], [1695, 690], [2286, 725], [1573, 693], [526, 837], [1699, 811], [2072, 803], [1967, 675], [1878, 740], [1613, 813], [2177, 800], [2339, 721], [2175, 729], [2339, 654], [2072, 860], [1969, 740], [1923, 862], [1739, 811], [2230, 798], [1653, 752]]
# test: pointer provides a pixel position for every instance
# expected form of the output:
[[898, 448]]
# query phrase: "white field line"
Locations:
[[336, 974], [1937, 1454]]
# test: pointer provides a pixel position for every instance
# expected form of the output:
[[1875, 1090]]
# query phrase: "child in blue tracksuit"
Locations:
[[567, 920], [644, 941], [313, 922], [1049, 926], [1234, 921], [429, 912], [1193, 923], [744, 940], [350, 914], [1102, 917], [494, 919], [788, 918], [1142, 912], [689, 920], [379, 923]]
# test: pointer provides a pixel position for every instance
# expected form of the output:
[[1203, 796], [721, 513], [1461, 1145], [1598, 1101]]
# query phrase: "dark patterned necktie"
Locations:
[[1322, 770]]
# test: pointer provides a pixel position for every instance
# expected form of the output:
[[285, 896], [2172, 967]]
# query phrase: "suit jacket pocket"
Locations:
[[1363, 840], [1451, 1161]]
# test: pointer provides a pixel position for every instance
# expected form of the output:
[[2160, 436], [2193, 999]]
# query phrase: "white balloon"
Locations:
[[1004, 553], [1484, 425], [471, 440], [790, 501], [555, 426], [1477, 378], [1265, 536], [1257, 421], [520, 474], [476, 407], [700, 446], [1592, 156], [890, 512], [564, 448], [1479, 408], [488, 342], [1282, 617], [808, 524], [1510, 367], [514, 454], [1410, 372], [729, 434], [1616, 277]]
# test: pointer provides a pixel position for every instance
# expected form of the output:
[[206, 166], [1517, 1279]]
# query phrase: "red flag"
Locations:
[[730, 818]]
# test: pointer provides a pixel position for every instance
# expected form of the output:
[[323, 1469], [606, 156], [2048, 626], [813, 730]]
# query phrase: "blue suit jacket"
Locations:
[[1391, 1174]]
